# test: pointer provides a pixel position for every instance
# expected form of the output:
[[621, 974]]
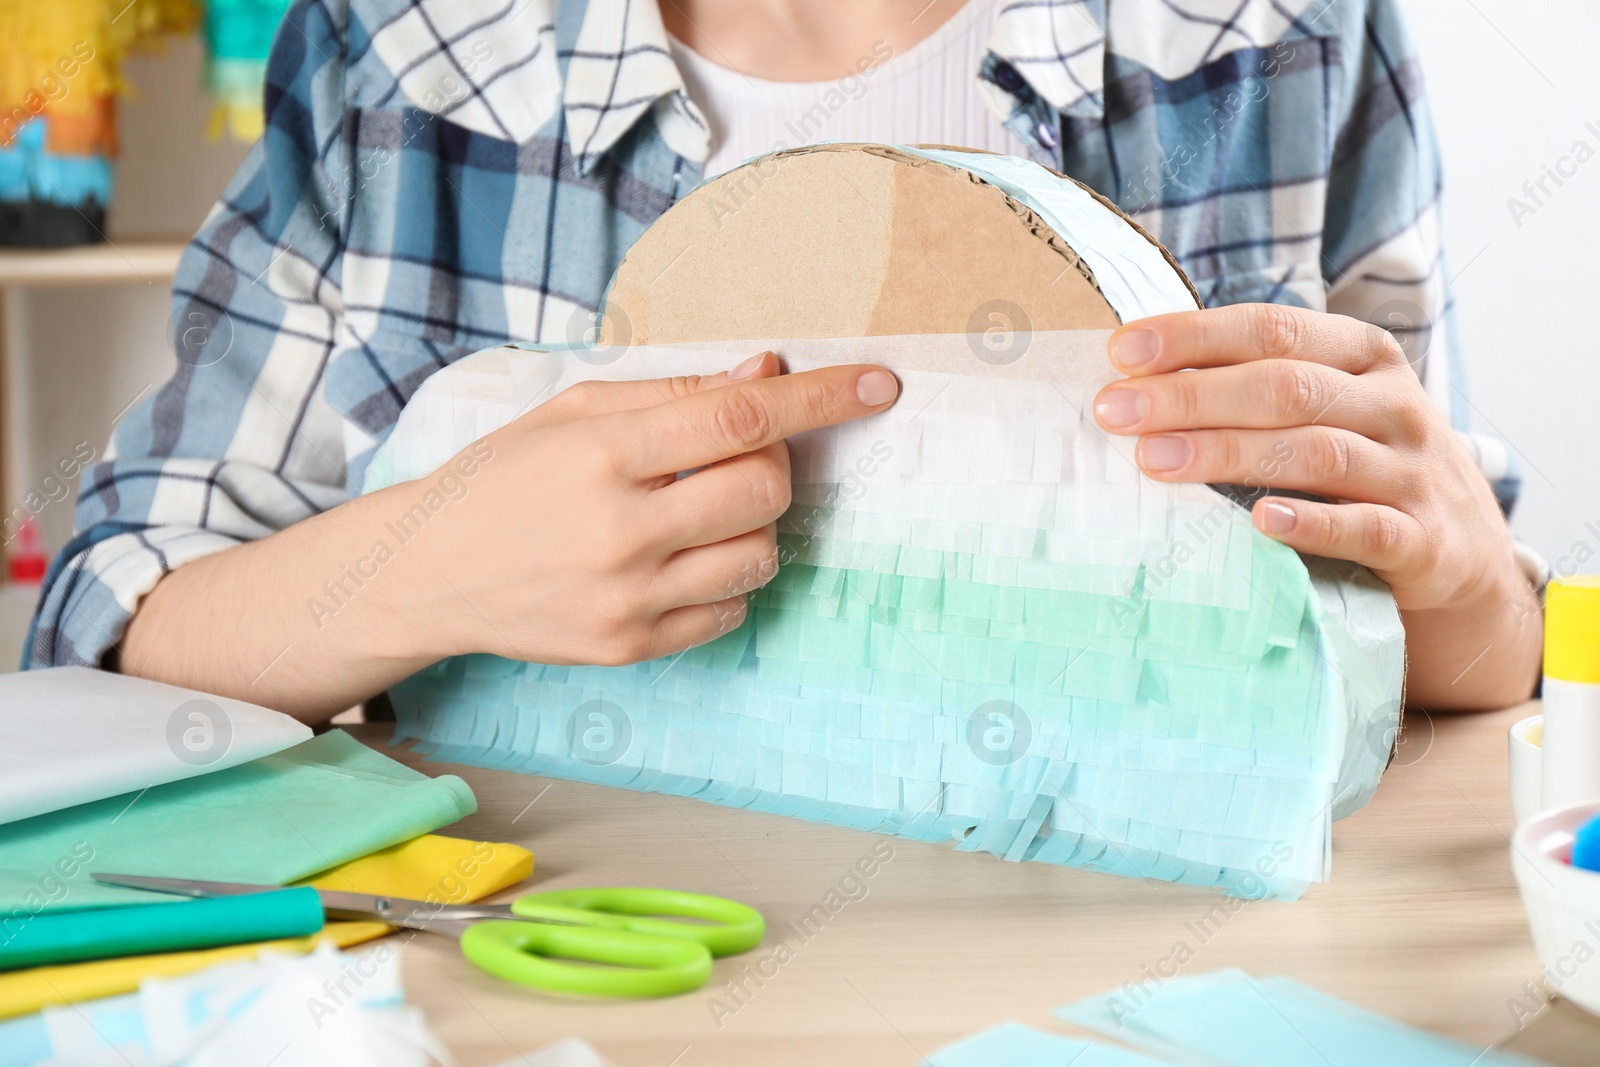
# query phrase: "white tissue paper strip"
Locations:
[[71, 735], [325, 1009], [569, 1053], [1178, 696]]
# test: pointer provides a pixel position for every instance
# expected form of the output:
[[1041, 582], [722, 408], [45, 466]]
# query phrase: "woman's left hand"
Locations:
[[1281, 398]]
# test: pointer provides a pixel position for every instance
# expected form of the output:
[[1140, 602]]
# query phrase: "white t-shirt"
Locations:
[[927, 94]]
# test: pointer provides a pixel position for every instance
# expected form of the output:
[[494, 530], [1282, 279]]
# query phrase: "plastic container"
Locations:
[[1526, 744], [1563, 903]]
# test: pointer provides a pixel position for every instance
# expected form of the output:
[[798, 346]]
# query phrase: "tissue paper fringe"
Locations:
[[1166, 768], [987, 629]]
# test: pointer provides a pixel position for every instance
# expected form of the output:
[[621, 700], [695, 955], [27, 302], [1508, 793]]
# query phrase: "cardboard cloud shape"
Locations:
[[987, 628]]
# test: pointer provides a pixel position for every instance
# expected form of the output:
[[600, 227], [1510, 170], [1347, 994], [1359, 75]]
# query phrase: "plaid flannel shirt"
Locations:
[[440, 176]]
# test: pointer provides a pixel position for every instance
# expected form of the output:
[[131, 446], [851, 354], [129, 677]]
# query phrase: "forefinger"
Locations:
[[588, 398], [688, 432], [1244, 333]]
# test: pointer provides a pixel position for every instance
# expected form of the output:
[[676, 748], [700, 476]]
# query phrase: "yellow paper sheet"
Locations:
[[440, 870]]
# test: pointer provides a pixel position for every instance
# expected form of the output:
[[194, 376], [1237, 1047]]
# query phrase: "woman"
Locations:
[[439, 176]]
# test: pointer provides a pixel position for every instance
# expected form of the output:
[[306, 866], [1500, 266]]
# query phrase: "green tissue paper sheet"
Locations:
[[273, 821]]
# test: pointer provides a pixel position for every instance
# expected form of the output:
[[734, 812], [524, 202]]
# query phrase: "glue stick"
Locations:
[[1571, 691]]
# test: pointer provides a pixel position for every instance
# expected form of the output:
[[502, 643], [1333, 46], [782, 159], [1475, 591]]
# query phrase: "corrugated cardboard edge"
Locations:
[[1030, 220], [1033, 221]]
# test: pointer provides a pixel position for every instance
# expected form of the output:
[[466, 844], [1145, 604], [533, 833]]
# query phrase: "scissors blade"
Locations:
[[397, 911], [184, 887]]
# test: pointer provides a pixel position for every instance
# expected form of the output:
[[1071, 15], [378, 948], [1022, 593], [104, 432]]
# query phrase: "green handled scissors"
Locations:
[[525, 942]]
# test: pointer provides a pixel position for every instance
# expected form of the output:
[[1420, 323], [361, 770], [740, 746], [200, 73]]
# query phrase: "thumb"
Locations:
[[587, 399]]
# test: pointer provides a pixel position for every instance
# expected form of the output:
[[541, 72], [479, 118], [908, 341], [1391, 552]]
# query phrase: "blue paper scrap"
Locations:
[[1231, 1019], [1015, 1045]]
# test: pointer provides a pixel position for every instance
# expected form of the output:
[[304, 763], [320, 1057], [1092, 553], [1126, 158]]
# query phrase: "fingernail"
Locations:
[[1164, 453], [747, 369], [1277, 518], [876, 387], [1136, 348], [1121, 407]]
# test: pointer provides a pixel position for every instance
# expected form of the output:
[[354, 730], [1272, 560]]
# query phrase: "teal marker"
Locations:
[[140, 929]]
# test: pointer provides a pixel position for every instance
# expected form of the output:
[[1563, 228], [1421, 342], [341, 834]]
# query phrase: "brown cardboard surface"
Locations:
[[848, 241]]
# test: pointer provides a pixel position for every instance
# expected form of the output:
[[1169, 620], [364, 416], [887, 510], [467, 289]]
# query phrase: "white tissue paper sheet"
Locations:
[[987, 628], [325, 1009], [572, 1052], [71, 735]]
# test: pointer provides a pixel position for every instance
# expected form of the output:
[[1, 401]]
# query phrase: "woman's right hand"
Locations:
[[564, 537], [577, 542]]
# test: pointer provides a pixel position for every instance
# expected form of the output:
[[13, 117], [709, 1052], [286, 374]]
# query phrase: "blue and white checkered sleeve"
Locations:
[[1382, 255], [239, 442]]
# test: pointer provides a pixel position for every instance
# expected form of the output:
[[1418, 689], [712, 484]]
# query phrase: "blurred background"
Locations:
[[84, 330]]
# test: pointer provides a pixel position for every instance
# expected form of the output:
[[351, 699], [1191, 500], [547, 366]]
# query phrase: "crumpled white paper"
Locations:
[[569, 1053], [325, 1009]]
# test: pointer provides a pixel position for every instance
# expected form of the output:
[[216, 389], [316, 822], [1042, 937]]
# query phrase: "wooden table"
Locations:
[[1421, 921]]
